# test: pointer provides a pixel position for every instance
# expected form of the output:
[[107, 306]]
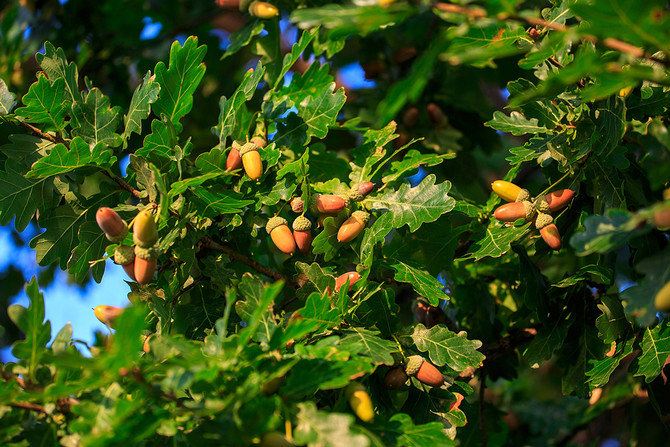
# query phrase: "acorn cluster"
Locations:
[[323, 205], [538, 209]]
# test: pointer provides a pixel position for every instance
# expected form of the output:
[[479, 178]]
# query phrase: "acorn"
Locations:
[[146, 345], [329, 203], [251, 160], [302, 234], [341, 280], [263, 10], [107, 314], [297, 205], [662, 298], [395, 378], [548, 230], [424, 371], [436, 114], [145, 229], [662, 218], [234, 159], [145, 264], [509, 192], [125, 257], [509, 212], [410, 117], [558, 199], [360, 401], [358, 192], [353, 226], [109, 221], [278, 229], [625, 91]]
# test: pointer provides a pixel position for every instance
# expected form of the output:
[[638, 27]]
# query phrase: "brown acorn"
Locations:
[[551, 236], [662, 218], [436, 114], [559, 199], [404, 54], [410, 117], [234, 159], [109, 221], [329, 203], [302, 234], [145, 229], [145, 264], [279, 232], [251, 160], [353, 226], [341, 280], [107, 314], [424, 371], [509, 212], [125, 257], [395, 378], [359, 191]]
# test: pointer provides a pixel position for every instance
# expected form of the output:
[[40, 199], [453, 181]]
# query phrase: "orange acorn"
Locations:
[[329, 203], [559, 199], [424, 371], [109, 221], [145, 264], [145, 229], [278, 229], [341, 280], [234, 159], [302, 234], [125, 257], [353, 226], [107, 314], [662, 218], [146, 346], [395, 378], [509, 212], [251, 160], [548, 231]]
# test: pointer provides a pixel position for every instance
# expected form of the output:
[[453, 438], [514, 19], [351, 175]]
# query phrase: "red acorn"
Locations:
[[548, 231], [109, 221], [410, 117], [341, 280], [329, 203], [424, 371], [509, 212], [662, 218], [234, 159], [302, 234], [559, 199], [145, 264]]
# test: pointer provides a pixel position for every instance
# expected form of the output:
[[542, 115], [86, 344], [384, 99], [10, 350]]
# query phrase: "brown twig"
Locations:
[[208, 242], [40, 134], [28, 406], [124, 184]]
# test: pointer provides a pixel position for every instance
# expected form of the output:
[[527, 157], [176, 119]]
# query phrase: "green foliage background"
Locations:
[[526, 334]]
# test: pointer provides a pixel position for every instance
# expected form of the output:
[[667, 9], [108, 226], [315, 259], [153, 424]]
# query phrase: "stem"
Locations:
[[553, 185]]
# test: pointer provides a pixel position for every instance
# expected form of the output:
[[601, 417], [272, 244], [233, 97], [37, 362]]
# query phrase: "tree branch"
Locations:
[[28, 406]]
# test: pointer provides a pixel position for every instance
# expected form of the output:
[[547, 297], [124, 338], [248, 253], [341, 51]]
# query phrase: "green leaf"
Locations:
[[415, 206], [479, 46], [313, 373], [411, 161], [423, 282], [325, 242], [602, 369], [296, 51], [243, 37], [548, 340], [497, 240], [253, 310], [215, 201], [612, 323], [7, 99], [21, 198], [56, 66], [315, 316], [160, 143], [95, 120], [179, 80], [61, 160], [230, 122], [655, 352], [326, 429], [446, 347], [363, 341], [36, 331], [91, 247], [63, 339], [640, 297], [516, 124], [140, 105], [606, 233], [402, 432], [45, 104]]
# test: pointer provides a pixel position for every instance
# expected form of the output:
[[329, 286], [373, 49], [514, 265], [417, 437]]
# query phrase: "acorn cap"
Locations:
[[275, 222], [236, 145], [523, 195], [542, 205], [543, 220], [301, 223], [123, 255], [248, 147], [355, 195], [149, 253], [414, 362], [259, 141], [363, 216], [529, 209]]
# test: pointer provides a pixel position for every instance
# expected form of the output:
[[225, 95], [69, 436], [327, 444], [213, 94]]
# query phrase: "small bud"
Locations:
[[145, 230], [360, 402], [109, 221], [353, 226], [281, 235]]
